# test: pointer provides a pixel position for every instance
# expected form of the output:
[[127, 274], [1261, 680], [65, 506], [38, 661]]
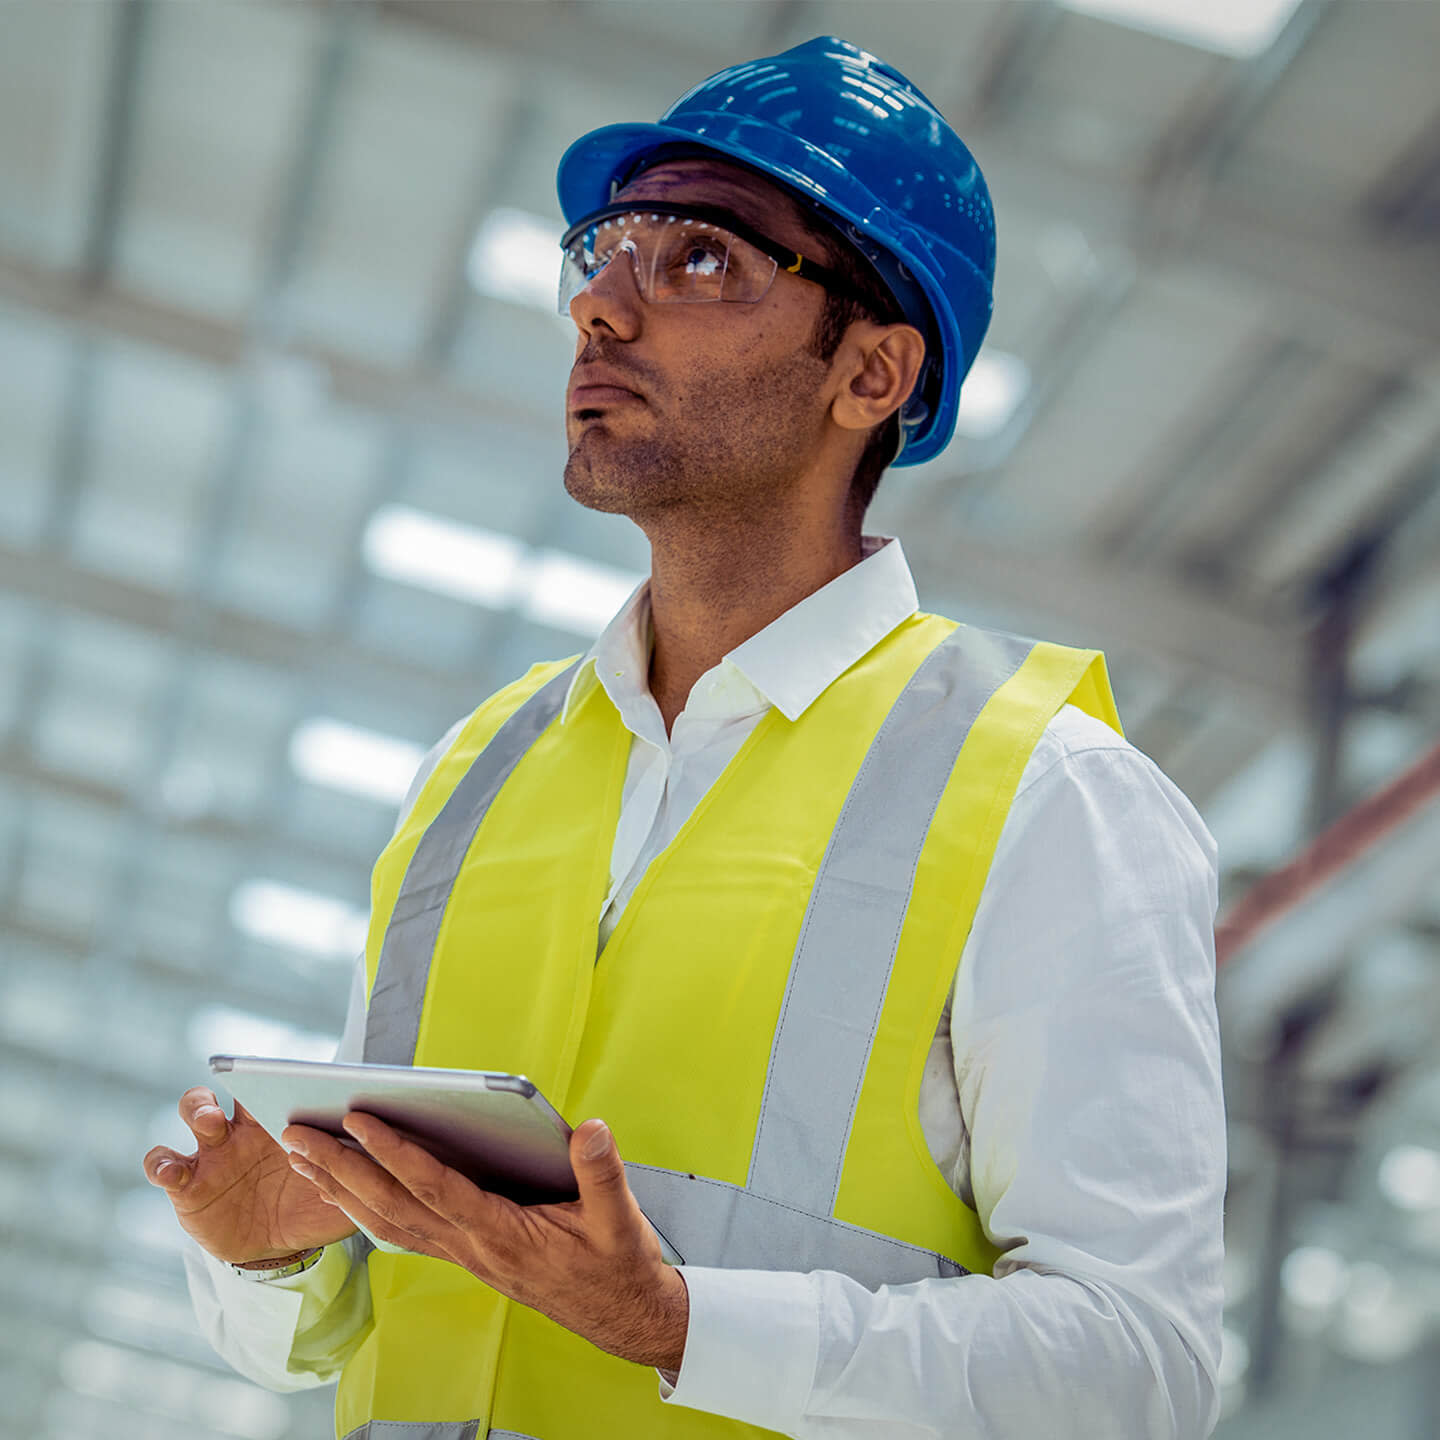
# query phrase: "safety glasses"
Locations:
[[683, 255]]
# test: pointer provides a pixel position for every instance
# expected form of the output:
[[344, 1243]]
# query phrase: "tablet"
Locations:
[[495, 1129]]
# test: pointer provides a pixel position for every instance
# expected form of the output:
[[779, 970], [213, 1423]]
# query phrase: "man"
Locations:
[[713, 884]]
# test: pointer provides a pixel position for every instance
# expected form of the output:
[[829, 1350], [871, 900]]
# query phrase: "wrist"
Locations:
[[674, 1322], [278, 1267]]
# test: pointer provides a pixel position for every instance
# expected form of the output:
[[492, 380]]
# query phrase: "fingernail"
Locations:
[[169, 1172], [301, 1168], [598, 1143], [209, 1116], [296, 1147]]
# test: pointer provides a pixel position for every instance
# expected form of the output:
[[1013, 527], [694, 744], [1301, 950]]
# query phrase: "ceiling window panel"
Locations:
[[36, 361], [218, 115], [97, 711], [288, 544], [427, 116], [52, 96], [156, 428]]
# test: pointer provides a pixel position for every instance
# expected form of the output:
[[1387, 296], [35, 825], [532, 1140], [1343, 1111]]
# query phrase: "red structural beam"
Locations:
[[1334, 850]]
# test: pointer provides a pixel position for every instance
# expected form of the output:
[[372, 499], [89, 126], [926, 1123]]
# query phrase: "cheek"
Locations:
[[728, 357]]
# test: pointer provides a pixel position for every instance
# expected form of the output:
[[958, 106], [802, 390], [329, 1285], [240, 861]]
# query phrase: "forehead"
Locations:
[[702, 181]]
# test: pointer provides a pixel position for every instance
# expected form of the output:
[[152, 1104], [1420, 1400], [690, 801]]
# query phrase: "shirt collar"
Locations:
[[795, 658]]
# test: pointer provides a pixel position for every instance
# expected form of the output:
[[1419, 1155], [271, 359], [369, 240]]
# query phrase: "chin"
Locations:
[[595, 489], [621, 479]]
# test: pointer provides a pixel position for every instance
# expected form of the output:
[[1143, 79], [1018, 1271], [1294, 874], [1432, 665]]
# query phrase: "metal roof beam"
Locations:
[[56, 581], [1184, 632], [404, 395]]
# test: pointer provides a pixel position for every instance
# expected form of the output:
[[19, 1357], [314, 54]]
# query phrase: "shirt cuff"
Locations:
[[751, 1346], [253, 1323]]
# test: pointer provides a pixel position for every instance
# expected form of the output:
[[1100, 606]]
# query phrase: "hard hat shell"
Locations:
[[862, 145]]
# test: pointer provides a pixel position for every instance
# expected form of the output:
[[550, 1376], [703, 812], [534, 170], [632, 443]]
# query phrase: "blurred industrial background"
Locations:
[[281, 439]]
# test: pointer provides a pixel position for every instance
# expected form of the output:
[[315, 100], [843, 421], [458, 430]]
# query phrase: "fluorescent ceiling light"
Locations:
[[991, 394], [1231, 27], [1410, 1177], [221, 1030], [344, 757], [179, 1392], [516, 257], [574, 594], [1313, 1277], [414, 548], [497, 571], [300, 919]]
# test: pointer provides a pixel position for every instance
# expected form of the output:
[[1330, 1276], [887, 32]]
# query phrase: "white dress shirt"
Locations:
[[1072, 1097]]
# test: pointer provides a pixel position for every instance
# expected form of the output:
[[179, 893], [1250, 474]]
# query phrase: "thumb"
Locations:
[[599, 1171]]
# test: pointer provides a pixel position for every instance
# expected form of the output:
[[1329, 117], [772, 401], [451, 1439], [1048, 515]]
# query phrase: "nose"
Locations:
[[611, 297]]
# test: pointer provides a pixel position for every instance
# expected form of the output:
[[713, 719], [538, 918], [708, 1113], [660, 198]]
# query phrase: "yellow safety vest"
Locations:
[[756, 1027]]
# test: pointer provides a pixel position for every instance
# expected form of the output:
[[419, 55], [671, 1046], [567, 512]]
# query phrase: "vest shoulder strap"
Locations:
[[487, 750]]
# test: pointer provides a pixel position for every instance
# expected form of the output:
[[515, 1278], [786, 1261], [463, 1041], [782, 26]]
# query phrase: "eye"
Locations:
[[699, 255], [702, 259]]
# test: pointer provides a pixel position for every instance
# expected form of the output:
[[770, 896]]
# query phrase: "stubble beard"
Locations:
[[760, 438]]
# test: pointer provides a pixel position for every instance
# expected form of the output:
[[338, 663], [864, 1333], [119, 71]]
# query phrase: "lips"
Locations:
[[594, 386], [587, 397]]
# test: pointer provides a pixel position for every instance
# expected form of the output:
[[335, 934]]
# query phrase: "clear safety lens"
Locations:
[[677, 260]]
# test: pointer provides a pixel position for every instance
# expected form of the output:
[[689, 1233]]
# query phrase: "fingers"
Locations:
[[600, 1175], [163, 1167], [334, 1169], [433, 1184], [367, 1192], [201, 1111], [380, 1223]]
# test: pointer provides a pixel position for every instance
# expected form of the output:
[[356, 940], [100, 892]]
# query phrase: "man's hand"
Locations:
[[592, 1265], [237, 1195]]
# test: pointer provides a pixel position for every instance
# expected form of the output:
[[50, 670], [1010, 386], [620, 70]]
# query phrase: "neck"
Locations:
[[714, 585]]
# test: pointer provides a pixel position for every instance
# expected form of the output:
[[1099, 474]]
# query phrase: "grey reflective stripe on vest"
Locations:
[[847, 945], [709, 1222], [392, 1021], [420, 1430]]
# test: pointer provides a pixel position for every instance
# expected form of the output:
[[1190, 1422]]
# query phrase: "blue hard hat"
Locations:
[[863, 146]]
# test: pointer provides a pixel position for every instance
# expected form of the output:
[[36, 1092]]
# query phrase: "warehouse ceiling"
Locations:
[[273, 337]]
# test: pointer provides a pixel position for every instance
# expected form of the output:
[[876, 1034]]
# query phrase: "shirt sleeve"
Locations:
[[1088, 1069], [286, 1335], [297, 1333]]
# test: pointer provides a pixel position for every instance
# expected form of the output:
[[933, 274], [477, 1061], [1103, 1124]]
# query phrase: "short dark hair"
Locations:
[[872, 301]]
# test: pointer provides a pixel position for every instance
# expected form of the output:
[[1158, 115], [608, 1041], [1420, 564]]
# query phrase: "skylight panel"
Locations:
[[465, 561], [362, 762], [574, 594], [297, 919], [552, 587], [224, 1030], [515, 257], [1409, 1177], [991, 394], [1244, 28]]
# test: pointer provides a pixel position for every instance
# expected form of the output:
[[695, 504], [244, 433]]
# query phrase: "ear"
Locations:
[[881, 364]]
